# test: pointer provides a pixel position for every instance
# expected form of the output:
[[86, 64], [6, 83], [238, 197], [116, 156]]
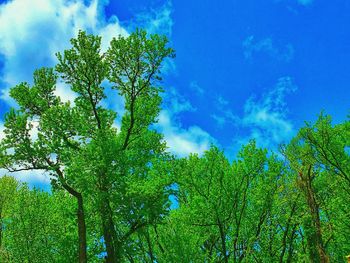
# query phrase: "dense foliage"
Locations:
[[118, 196]]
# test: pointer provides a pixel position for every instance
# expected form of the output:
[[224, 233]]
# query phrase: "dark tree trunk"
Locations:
[[109, 233], [315, 240], [81, 223], [81, 231]]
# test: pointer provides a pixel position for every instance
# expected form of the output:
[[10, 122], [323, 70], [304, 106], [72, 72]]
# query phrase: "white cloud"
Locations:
[[183, 141], [156, 20], [177, 102], [221, 101], [219, 119], [110, 30], [266, 45], [33, 133], [65, 92], [266, 118], [32, 31], [300, 2], [224, 114]]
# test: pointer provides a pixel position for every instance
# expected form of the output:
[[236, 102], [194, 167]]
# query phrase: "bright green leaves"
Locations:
[[327, 145], [258, 208], [83, 67], [37, 225], [37, 99], [135, 66], [17, 145], [320, 162], [120, 178], [135, 62]]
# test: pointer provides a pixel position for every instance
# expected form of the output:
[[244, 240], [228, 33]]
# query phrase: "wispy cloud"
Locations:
[[155, 20], [252, 47], [194, 86], [223, 114], [176, 102], [299, 2], [181, 141], [221, 101], [224, 117], [266, 117]]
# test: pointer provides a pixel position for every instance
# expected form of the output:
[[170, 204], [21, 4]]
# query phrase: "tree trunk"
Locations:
[[81, 230], [81, 223], [109, 234], [315, 240], [80, 215]]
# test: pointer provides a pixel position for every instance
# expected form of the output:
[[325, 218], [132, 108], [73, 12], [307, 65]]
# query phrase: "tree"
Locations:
[[78, 144], [223, 209], [318, 155]]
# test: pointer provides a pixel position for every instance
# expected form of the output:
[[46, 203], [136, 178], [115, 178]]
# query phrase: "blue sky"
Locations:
[[244, 69]]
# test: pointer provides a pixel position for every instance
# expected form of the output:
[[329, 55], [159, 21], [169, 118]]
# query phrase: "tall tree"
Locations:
[[78, 144], [320, 159]]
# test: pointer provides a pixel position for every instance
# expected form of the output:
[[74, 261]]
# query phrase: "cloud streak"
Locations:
[[181, 141], [157, 20], [264, 118], [252, 47], [196, 88]]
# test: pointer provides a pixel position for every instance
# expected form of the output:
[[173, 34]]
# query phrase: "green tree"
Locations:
[[320, 160], [78, 144], [224, 210]]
